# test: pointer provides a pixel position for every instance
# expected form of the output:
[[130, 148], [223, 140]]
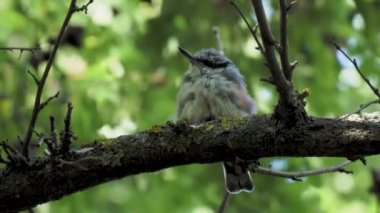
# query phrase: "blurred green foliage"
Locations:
[[122, 75]]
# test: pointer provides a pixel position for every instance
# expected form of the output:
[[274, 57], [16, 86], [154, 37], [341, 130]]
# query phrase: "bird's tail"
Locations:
[[237, 178]]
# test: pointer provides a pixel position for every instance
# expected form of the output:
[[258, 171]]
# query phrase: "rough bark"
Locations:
[[179, 144]]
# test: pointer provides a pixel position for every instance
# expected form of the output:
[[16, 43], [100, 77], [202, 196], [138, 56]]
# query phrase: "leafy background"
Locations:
[[121, 70]]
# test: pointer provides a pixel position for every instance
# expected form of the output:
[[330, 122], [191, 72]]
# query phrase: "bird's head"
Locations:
[[211, 63]]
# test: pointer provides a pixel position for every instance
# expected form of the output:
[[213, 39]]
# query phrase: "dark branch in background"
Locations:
[[286, 67], [374, 89], [41, 83], [297, 175], [179, 144], [253, 30]]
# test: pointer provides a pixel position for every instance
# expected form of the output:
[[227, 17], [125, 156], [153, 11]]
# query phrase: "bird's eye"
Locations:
[[208, 63]]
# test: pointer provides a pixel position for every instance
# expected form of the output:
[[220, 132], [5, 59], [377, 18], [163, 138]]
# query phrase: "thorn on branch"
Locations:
[[45, 103]]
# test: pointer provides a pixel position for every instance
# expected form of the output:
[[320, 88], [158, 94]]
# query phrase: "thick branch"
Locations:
[[282, 85], [290, 108], [180, 144], [284, 41]]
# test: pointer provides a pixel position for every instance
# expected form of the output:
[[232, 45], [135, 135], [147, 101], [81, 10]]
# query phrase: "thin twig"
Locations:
[[52, 145], [297, 175], [225, 201], [2, 160], [67, 134], [361, 108], [37, 102], [354, 62], [52, 124], [45, 103], [218, 38], [21, 49], [84, 7], [34, 77], [286, 67], [253, 30], [13, 154]]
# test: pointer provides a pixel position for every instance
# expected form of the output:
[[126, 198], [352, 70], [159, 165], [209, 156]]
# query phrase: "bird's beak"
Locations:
[[189, 56]]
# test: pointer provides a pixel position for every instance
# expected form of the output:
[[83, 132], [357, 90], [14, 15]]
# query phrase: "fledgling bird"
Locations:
[[213, 87]]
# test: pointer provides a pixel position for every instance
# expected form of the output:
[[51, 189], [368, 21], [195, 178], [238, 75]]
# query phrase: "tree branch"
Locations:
[[362, 107], [179, 144], [297, 175], [290, 108], [21, 49], [41, 83], [253, 30], [353, 61], [286, 67]]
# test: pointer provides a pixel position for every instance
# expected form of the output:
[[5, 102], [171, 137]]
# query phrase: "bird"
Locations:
[[213, 87]]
